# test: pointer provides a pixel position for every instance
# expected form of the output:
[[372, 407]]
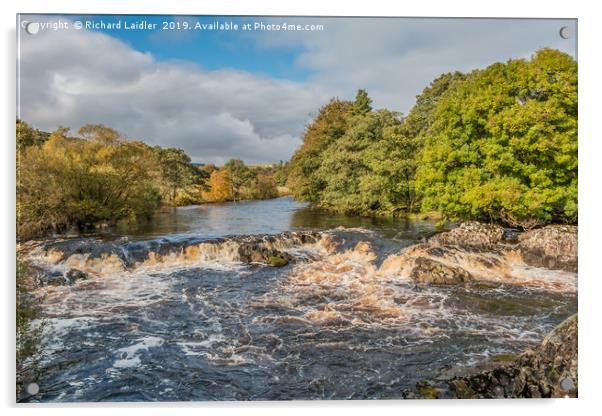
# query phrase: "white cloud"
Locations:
[[394, 59]]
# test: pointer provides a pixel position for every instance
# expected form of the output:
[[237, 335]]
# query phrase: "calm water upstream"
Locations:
[[168, 313]]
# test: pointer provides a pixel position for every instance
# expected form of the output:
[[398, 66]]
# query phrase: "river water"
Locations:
[[170, 313]]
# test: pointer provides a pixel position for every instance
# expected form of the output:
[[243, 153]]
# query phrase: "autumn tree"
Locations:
[[66, 181], [99, 133], [219, 187]]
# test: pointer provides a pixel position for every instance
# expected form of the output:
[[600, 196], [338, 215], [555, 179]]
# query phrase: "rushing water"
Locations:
[[169, 312]]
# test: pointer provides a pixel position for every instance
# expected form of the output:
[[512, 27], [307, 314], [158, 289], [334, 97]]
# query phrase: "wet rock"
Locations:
[[549, 370], [74, 275], [423, 390], [53, 279], [471, 234], [277, 260], [553, 247], [431, 271], [258, 253]]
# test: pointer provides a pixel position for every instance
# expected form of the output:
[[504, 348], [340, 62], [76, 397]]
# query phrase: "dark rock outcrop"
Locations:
[[471, 234], [553, 247], [259, 253], [74, 275], [427, 270], [549, 370]]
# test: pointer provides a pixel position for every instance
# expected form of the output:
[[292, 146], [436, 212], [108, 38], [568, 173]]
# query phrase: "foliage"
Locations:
[[236, 181], [178, 174], [239, 176], [28, 332], [420, 117], [281, 173], [27, 136], [264, 187], [502, 144], [100, 134], [362, 104], [329, 125], [219, 187], [497, 144], [100, 178], [355, 160]]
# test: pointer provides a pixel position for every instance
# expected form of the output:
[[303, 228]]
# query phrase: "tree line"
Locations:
[[99, 177], [496, 144]]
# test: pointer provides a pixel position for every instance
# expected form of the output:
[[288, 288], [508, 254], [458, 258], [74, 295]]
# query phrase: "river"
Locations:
[[170, 313]]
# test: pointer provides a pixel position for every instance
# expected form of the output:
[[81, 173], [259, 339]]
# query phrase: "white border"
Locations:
[[590, 196]]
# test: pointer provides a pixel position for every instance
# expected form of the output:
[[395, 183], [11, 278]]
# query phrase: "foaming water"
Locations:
[[191, 318]]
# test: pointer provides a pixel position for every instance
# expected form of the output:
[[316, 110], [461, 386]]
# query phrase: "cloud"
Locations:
[[215, 115], [90, 77], [395, 58]]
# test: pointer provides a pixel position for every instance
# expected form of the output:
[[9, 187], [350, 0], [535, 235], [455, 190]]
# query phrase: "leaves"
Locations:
[[502, 144]]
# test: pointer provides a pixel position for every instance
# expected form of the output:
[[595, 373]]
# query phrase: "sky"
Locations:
[[248, 94]]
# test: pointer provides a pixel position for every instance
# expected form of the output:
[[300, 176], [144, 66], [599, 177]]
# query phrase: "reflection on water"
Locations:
[[197, 324], [262, 217], [220, 219]]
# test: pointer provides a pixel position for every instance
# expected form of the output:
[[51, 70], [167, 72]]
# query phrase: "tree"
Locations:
[[368, 170], [73, 182], [177, 171], [281, 173], [362, 104], [219, 187], [99, 133], [264, 187], [28, 136], [239, 177], [329, 125], [502, 144], [420, 117]]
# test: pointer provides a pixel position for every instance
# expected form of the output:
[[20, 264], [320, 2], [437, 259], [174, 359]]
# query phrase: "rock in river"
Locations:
[[549, 370], [431, 271], [471, 234], [553, 247]]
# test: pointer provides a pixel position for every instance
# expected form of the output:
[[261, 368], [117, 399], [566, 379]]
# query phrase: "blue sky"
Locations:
[[209, 49], [220, 95]]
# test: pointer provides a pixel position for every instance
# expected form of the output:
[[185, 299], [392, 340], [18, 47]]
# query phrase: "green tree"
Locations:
[[420, 117], [281, 173], [264, 186], [329, 125], [369, 169], [502, 144], [239, 177], [362, 104], [177, 171]]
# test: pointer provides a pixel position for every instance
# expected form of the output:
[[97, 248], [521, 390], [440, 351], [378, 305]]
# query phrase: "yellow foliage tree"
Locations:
[[219, 187]]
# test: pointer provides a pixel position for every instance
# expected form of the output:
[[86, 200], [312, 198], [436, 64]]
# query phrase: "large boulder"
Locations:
[[427, 270], [553, 247], [549, 370], [471, 234], [259, 253]]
